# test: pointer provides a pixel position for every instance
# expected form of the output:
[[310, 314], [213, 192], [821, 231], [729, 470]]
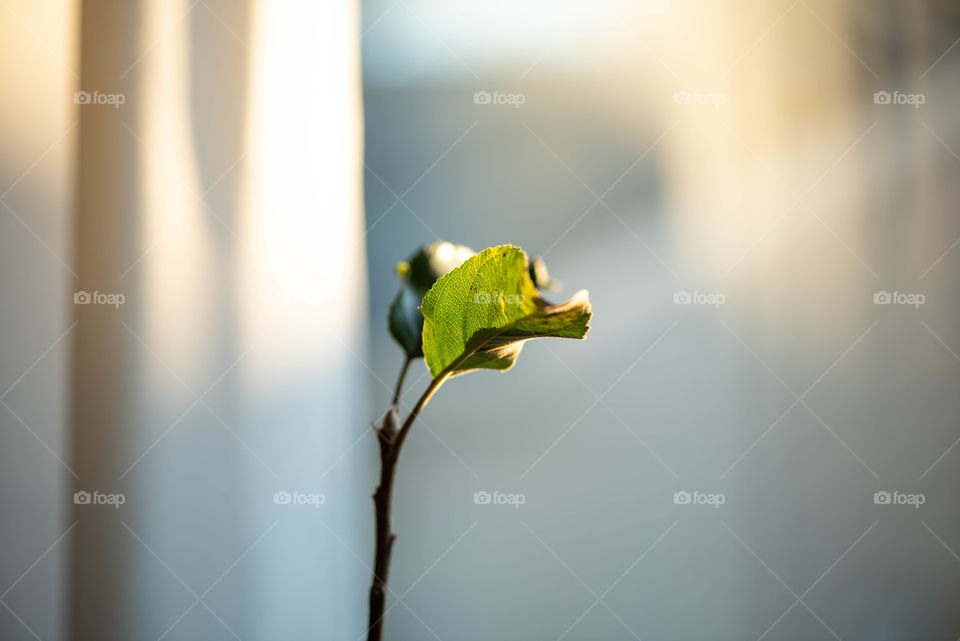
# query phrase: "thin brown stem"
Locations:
[[415, 412], [391, 441], [399, 388], [384, 534]]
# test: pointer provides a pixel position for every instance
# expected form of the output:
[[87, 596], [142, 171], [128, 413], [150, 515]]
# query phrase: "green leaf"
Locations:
[[479, 315], [419, 274]]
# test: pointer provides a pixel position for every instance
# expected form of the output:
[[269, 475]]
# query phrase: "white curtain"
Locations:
[[222, 200]]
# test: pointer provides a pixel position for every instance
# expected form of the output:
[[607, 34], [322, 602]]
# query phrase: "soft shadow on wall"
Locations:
[[221, 379], [226, 380]]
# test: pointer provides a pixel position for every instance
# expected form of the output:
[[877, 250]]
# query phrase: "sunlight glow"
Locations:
[[303, 221]]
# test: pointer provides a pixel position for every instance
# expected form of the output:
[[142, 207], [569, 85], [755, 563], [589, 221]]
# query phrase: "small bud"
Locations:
[[540, 276]]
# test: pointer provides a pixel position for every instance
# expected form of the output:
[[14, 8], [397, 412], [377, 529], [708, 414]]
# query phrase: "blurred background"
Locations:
[[758, 440]]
